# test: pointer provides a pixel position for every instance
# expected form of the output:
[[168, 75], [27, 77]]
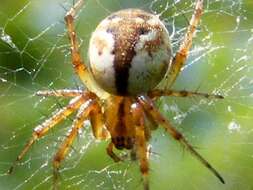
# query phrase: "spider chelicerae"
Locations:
[[129, 54]]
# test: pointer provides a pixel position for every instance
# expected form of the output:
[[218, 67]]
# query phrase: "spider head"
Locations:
[[129, 52]]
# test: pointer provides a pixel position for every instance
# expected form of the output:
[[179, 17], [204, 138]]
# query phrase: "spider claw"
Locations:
[[219, 96], [221, 179], [202, 160], [63, 7], [56, 176], [10, 170], [145, 182]]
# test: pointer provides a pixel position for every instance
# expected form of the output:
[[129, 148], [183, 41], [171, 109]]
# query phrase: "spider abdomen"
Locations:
[[129, 52]]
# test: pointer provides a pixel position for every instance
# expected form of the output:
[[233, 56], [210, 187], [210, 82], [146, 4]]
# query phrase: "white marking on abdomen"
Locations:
[[102, 62]]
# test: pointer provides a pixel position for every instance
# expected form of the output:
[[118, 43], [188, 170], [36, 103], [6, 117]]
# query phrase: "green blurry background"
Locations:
[[34, 55]]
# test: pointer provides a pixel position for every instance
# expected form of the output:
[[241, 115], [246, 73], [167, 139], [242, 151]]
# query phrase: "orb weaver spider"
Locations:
[[129, 53]]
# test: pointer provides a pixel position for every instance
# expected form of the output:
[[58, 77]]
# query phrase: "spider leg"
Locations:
[[158, 93], [59, 93], [149, 107], [96, 116], [141, 143], [181, 56], [78, 63], [97, 123], [82, 115], [43, 128], [110, 152]]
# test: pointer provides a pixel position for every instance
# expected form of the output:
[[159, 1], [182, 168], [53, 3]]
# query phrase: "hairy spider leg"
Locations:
[[154, 94], [43, 128], [96, 117], [141, 143], [82, 115], [80, 68], [181, 55], [59, 93], [150, 108]]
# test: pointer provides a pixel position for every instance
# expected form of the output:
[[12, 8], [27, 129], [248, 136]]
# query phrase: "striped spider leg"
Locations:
[[142, 136], [154, 94], [77, 103], [79, 66], [181, 55], [179, 60], [152, 111]]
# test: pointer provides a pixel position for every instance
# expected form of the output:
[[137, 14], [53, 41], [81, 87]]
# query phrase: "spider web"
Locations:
[[34, 55]]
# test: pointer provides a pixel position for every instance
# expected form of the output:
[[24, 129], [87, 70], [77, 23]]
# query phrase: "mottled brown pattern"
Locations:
[[101, 45], [126, 33], [152, 45]]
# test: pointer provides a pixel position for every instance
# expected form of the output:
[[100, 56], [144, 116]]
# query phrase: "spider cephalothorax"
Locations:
[[129, 55], [128, 49]]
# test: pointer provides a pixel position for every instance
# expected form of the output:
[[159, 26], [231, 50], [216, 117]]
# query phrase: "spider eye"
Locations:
[[129, 52]]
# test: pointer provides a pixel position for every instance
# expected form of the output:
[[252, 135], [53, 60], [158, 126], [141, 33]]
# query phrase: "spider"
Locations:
[[129, 55]]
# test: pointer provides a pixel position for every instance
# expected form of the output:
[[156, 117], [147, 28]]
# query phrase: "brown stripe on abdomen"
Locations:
[[126, 34], [121, 77], [124, 53], [124, 50]]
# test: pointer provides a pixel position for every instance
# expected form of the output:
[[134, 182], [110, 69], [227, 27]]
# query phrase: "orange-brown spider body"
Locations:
[[128, 49], [119, 122], [129, 54]]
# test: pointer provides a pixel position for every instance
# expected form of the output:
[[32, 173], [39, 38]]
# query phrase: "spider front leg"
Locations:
[[154, 94], [157, 116], [80, 68], [141, 143], [181, 56], [43, 128], [82, 115], [59, 93]]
